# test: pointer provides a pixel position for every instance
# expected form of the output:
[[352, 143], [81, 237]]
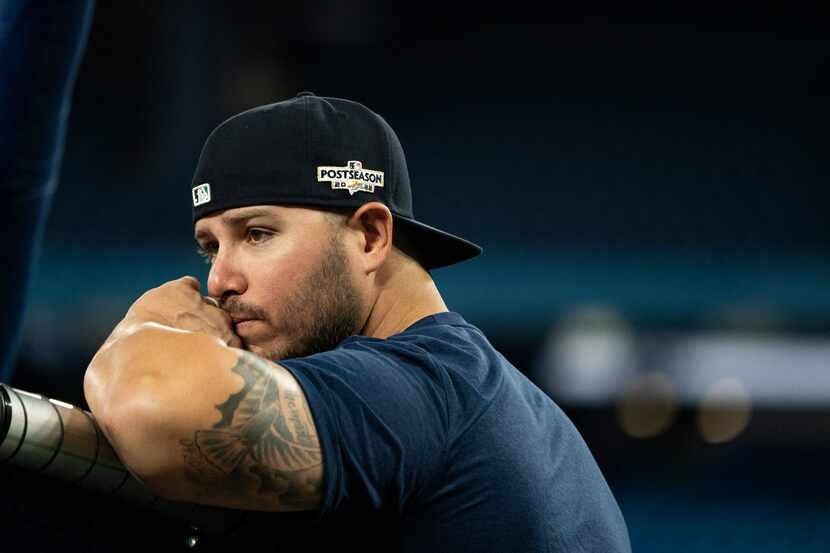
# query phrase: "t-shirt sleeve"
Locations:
[[381, 418]]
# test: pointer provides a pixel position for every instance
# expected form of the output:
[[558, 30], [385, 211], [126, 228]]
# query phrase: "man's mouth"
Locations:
[[241, 324], [241, 318]]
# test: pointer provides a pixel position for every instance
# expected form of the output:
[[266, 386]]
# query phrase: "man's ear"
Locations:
[[373, 224]]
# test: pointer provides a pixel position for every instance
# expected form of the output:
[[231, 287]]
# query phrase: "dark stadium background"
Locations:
[[651, 191]]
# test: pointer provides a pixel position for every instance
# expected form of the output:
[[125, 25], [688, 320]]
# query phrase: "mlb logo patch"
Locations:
[[201, 194]]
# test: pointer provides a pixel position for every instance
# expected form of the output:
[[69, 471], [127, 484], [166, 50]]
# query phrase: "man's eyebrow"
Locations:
[[240, 217], [236, 219]]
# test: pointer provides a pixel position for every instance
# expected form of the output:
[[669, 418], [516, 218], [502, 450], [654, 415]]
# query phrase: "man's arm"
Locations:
[[202, 422]]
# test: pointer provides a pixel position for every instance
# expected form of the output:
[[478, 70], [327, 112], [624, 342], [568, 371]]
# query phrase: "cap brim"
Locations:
[[431, 247]]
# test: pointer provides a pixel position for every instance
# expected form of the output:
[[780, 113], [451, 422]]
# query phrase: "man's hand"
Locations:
[[178, 304], [168, 393]]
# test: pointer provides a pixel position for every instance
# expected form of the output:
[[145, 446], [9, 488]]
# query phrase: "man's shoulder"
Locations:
[[440, 338], [446, 336], [441, 352]]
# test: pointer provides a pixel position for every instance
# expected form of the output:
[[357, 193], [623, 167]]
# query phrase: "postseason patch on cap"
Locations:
[[353, 177], [201, 194]]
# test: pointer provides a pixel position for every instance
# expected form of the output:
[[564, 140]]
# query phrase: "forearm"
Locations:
[[145, 389], [173, 404]]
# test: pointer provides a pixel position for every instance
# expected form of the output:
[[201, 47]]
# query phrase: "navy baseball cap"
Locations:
[[319, 152]]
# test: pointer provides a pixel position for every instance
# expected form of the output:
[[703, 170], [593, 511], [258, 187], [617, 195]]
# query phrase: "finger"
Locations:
[[234, 341], [230, 338], [225, 323], [191, 281]]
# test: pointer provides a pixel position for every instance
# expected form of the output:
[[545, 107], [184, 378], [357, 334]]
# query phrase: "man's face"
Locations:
[[283, 275]]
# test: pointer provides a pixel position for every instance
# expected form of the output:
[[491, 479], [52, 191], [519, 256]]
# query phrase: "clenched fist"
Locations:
[[179, 304]]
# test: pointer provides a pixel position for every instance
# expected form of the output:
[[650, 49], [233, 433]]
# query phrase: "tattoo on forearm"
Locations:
[[265, 442]]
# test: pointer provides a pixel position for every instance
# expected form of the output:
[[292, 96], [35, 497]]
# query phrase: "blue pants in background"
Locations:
[[41, 44]]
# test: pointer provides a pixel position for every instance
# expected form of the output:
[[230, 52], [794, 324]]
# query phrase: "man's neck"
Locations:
[[408, 296]]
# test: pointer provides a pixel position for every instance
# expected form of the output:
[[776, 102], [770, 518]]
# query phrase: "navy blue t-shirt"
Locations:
[[433, 439]]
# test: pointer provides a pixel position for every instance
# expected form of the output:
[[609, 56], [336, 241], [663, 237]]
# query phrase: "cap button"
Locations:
[[305, 93]]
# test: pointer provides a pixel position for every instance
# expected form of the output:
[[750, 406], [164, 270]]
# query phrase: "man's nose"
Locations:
[[226, 276]]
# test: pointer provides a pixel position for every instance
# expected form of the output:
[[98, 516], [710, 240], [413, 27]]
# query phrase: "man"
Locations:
[[324, 372]]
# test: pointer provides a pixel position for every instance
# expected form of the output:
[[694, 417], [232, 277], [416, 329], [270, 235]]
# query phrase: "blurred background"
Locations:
[[650, 190]]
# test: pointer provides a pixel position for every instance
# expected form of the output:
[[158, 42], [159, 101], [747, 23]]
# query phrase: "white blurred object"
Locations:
[[592, 356], [774, 371], [589, 356]]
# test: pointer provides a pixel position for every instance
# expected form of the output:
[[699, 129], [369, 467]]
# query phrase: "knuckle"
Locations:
[[190, 280]]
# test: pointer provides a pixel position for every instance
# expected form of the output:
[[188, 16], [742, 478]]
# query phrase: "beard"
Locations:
[[327, 308], [324, 312]]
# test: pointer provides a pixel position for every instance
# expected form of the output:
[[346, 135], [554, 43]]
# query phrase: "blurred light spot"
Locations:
[[648, 405], [724, 411], [589, 355]]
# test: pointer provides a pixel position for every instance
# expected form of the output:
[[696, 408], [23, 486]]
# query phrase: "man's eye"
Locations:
[[205, 253], [256, 235]]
